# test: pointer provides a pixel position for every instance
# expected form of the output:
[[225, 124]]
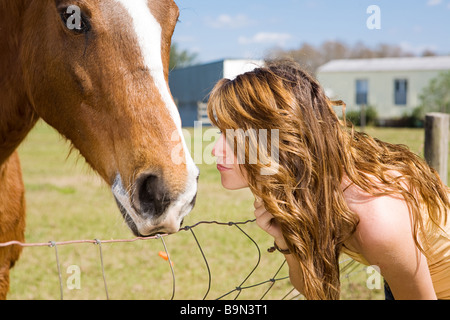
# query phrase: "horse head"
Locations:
[[97, 71]]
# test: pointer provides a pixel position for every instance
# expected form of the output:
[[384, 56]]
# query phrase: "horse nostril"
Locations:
[[153, 197]]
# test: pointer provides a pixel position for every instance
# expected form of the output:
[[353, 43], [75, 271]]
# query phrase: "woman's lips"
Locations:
[[222, 168]]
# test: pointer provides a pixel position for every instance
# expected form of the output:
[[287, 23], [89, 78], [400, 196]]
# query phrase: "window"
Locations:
[[362, 91], [400, 91]]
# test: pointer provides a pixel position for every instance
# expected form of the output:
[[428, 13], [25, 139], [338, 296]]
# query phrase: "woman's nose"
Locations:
[[213, 151], [217, 150]]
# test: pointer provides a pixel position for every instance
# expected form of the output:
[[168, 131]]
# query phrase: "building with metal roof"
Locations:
[[190, 86], [391, 85]]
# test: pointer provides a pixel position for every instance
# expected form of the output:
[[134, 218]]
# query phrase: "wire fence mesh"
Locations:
[[246, 283]]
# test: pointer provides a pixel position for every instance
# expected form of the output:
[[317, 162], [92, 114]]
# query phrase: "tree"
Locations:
[[312, 57], [436, 96], [180, 58], [307, 55]]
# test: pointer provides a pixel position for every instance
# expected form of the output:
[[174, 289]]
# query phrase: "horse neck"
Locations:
[[11, 14], [17, 115]]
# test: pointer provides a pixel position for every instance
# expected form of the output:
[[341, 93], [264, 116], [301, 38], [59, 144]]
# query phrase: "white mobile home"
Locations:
[[191, 86], [391, 85]]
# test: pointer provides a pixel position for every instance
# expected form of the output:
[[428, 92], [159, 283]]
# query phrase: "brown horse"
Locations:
[[102, 83]]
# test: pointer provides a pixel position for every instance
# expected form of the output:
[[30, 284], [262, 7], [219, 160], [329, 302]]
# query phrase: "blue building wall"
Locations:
[[191, 85]]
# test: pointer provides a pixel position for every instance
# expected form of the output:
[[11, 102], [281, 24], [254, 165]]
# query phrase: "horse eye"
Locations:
[[75, 20]]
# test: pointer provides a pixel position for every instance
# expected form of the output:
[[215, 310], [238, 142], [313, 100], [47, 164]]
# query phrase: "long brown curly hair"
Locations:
[[316, 151]]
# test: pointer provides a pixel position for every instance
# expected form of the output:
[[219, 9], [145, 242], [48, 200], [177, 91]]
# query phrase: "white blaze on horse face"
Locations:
[[149, 32]]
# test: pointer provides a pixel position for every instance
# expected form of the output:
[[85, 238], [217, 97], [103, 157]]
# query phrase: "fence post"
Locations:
[[436, 142]]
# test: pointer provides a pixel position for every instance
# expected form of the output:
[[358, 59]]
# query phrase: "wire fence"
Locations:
[[236, 290], [234, 293]]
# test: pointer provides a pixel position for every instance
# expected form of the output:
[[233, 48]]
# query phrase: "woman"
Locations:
[[334, 190]]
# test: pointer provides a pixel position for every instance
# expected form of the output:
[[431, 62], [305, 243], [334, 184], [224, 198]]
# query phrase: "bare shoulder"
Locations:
[[384, 237], [383, 220]]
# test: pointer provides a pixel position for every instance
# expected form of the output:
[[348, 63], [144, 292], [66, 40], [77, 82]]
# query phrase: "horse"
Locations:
[[97, 72]]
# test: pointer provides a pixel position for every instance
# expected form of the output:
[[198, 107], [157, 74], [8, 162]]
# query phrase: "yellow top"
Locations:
[[438, 257]]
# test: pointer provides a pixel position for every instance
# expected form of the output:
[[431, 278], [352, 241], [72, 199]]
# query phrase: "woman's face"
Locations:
[[227, 164]]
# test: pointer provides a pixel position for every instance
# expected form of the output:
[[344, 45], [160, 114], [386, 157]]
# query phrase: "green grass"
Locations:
[[413, 138], [66, 201]]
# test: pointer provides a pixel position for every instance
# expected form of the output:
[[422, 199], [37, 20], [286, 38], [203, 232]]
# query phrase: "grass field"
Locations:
[[67, 201]]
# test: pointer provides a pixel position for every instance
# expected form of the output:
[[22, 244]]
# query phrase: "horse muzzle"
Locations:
[[151, 208]]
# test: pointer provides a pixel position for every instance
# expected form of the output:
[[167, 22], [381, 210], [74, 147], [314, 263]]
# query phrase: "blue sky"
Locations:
[[216, 29]]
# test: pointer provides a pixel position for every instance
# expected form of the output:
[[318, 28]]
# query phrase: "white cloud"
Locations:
[[434, 2], [225, 21], [273, 38]]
